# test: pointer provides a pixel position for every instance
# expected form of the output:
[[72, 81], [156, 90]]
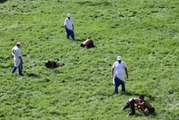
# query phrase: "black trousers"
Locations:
[[130, 105]]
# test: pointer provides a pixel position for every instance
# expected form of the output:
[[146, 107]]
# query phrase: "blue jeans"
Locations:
[[19, 70], [117, 83], [70, 33]]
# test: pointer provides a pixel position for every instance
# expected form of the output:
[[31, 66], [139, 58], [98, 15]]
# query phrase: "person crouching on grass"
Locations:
[[141, 104], [118, 78], [88, 43]]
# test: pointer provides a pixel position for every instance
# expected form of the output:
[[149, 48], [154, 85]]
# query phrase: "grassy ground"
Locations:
[[144, 32]]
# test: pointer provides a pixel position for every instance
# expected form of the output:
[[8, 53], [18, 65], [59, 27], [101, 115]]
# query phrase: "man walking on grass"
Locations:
[[69, 27], [118, 69], [17, 59]]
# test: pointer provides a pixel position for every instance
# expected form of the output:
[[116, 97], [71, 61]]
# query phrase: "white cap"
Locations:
[[119, 58], [68, 15], [18, 43]]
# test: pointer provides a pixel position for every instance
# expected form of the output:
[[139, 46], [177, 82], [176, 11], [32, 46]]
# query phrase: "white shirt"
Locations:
[[16, 53], [68, 23], [137, 101], [119, 69]]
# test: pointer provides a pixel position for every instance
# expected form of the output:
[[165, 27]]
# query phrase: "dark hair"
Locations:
[[142, 96], [82, 45]]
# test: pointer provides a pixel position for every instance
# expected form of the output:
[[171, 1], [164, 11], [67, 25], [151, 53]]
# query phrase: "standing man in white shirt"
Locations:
[[17, 59], [69, 27], [118, 69]]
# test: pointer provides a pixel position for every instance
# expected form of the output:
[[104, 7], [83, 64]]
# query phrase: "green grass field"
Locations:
[[144, 32]]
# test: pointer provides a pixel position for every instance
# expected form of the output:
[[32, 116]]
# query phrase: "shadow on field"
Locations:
[[88, 3], [2, 1], [78, 39], [138, 114], [137, 94], [33, 75]]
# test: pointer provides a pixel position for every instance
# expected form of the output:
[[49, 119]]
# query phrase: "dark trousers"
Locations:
[[130, 105], [19, 70], [117, 83], [70, 33]]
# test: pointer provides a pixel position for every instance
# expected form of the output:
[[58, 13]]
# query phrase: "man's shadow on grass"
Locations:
[[139, 114], [79, 39], [132, 94], [128, 93], [33, 75]]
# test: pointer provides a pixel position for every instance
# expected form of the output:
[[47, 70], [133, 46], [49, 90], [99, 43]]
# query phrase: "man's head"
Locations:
[[18, 44], [68, 15], [82, 45], [119, 58], [141, 97]]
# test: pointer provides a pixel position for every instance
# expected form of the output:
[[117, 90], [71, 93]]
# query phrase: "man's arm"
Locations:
[[18, 53], [112, 75], [126, 72], [21, 60], [112, 70], [65, 27], [72, 26], [13, 52], [140, 106]]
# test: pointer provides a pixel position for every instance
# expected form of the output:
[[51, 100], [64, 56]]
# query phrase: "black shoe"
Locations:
[[124, 108]]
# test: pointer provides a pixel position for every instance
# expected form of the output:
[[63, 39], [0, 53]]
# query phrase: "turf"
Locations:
[[144, 32]]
